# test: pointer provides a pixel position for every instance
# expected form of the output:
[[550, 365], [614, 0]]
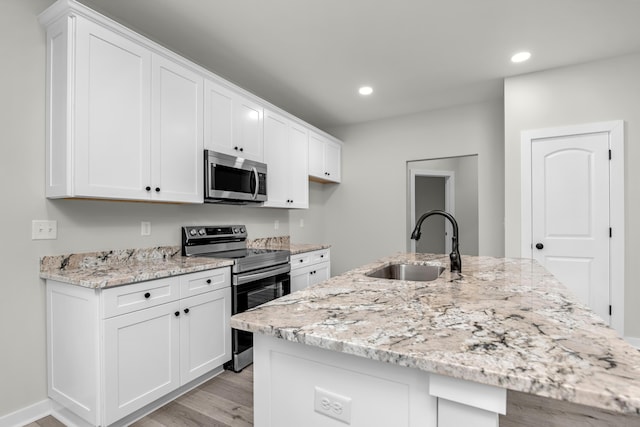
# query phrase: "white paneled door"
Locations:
[[568, 213]]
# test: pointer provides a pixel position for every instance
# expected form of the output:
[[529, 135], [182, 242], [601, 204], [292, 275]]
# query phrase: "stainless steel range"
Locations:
[[258, 275]]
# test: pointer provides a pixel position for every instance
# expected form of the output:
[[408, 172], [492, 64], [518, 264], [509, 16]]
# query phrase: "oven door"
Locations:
[[230, 178], [251, 290]]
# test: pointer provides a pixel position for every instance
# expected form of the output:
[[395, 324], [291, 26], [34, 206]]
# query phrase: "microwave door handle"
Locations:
[[255, 175]]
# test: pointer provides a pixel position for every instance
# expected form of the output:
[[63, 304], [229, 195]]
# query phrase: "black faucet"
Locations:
[[454, 256]]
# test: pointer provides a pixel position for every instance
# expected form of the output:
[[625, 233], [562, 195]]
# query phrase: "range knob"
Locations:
[[192, 232], [242, 230], [202, 232], [236, 231]]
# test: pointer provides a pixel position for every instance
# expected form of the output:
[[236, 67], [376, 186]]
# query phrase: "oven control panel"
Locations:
[[216, 232]]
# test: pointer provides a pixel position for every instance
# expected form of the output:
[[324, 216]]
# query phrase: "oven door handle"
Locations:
[[242, 279], [257, 181]]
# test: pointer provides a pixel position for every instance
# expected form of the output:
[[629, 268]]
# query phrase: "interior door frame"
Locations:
[[615, 129], [449, 202]]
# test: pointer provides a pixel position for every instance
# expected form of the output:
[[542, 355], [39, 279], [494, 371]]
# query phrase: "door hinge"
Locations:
[[609, 154], [610, 232], [609, 310]]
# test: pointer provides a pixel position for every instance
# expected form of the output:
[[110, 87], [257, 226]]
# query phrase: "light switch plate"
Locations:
[[44, 229]]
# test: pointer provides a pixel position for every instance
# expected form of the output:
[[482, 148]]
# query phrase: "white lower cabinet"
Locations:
[[309, 268], [110, 353]]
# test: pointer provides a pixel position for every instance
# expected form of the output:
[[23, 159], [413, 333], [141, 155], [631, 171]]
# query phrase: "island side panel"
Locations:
[[290, 380]]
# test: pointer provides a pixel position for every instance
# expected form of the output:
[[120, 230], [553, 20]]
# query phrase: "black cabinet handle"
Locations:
[[157, 189], [177, 313], [186, 311], [208, 281], [321, 256], [235, 148], [301, 260], [539, 246], [147, 188], [241, 149], [147, 295]]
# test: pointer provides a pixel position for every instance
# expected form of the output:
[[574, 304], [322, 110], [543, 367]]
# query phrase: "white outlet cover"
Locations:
[[145, 228], [332, 405]]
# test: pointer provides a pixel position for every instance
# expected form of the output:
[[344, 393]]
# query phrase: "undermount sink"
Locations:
[[418, 273]]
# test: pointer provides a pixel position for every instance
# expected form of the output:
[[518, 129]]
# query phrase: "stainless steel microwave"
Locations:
[[233, 180]]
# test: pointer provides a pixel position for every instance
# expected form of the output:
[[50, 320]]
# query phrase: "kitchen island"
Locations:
[[447, 352]]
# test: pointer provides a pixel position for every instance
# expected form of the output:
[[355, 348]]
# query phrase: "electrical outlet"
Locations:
[[44, 229], [301, 223], [332, 405], [276, 224], [145, 228]]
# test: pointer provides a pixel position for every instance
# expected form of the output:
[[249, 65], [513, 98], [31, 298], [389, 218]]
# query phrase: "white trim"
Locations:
[[449, 201], [27, 415], [616, 205], [634, 341]]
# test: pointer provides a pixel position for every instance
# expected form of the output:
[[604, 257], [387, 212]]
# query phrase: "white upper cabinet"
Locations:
[[324, 158], [286, 148], [122, 121], [177, 153], [129, 120], [233, 123], [110, 144]]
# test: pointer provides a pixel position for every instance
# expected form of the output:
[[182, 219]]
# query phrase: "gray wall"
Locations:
[[366, 214], [593, 92]]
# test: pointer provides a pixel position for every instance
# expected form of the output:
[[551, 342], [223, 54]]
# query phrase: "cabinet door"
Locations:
[[316, 155], [205, 333], [319, 273], [177, 134], [248, 117], [112, 123], [298, 167], [276, 155], [141, 362], [332, 158], [218, 118], [300, 278]]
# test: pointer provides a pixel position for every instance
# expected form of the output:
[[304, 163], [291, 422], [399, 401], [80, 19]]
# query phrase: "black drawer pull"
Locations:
[[208, 281], [147, 188], [177, 313], [186, 311], [147, 295]]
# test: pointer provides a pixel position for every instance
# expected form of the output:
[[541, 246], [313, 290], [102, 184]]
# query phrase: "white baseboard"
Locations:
[[26, 415], [633, 341]]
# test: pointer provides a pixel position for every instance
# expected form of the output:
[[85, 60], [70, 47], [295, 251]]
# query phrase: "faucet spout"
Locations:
[[454, 256]]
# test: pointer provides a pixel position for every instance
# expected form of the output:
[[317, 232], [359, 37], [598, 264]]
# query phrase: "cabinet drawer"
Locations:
[[319, 256], [204, 281], [309, 258], [128, 298]]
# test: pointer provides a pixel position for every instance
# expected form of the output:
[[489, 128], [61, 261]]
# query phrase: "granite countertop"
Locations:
[[284, 243], [120, 267], [112, 268], [506, 322]]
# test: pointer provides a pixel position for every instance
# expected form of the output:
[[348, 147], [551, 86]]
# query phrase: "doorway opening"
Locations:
[[449, 184]]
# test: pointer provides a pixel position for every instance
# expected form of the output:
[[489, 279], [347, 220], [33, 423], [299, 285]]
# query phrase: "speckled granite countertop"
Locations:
[[284, 243], [507, 323], [120, 267]]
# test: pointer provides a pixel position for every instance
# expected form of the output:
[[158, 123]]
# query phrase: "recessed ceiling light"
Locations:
[[365, 90], [520, 57]]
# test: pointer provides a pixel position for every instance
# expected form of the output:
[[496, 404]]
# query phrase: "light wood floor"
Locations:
[[223, 401]]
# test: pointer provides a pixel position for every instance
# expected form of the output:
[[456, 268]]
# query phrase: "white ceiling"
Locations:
[[310, 56]]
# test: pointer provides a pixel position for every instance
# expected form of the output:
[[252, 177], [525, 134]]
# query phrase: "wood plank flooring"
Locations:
[[223, 401], [227, 401]]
